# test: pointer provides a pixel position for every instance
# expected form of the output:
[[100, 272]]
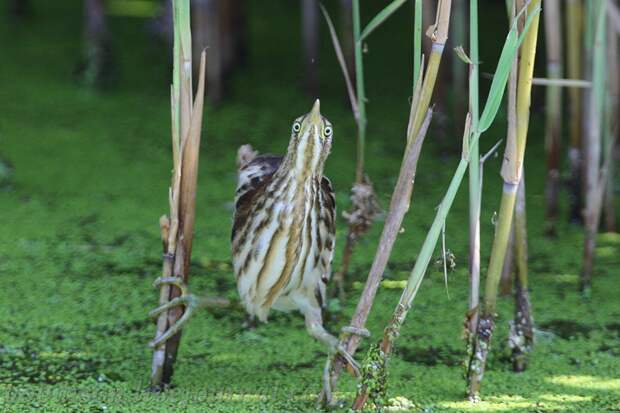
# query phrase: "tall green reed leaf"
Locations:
[[380, 18], [498, 86]]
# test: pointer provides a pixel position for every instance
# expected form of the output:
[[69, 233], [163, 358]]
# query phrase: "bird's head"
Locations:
[[311, 141]]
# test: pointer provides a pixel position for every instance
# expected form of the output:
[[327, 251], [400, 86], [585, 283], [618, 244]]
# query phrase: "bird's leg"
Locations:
[[314, 325], [187, 300]]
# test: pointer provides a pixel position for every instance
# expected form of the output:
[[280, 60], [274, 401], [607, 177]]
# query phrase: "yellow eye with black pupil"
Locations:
[[296, 127]]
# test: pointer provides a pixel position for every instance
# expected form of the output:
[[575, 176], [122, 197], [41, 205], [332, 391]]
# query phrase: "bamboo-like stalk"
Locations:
[[511, 136], [521, 337], [594, 189], [378, 359], [553, 129], [177, 229], [438, 33], [611, 122], [574, 24], [361, 94], [506, 280], [511, 173], [399, 206], [475, 189], [392, 330]]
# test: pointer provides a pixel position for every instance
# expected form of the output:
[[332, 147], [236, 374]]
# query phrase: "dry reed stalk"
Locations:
[[574, 23], [521, 337], [475, 187], [177, 228], [553, 129], [594, 187], [611, 121], [399, 206], [438, 32]]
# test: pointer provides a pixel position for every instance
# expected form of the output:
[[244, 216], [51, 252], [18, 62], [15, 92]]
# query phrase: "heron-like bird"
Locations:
[[283, 233]]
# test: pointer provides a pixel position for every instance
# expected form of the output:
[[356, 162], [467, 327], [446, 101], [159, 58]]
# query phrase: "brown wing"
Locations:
[[252, 179], [328, 215], [327, 229]]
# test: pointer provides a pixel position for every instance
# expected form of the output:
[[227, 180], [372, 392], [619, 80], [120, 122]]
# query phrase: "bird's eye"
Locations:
[[296, 127], [328, 131]]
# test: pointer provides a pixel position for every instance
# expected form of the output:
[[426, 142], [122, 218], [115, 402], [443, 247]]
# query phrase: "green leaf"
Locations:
[[380, 18], [498, 86]]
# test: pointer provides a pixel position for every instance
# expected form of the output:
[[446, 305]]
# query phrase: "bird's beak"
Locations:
[[315, 113]]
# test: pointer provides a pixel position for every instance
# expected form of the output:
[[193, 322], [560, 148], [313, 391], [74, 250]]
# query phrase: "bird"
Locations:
[[284, 231], [283, 234]]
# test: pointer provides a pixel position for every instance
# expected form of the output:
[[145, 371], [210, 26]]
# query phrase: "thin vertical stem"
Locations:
[[512, 170], [611, 124], [177, 229], [522, 333], [574, 19], [592, 148], [417, 40], [361, 94], [474, 173], [553, 133], [439, 38]]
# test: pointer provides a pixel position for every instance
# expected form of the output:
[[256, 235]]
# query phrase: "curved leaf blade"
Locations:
[[380, 18]]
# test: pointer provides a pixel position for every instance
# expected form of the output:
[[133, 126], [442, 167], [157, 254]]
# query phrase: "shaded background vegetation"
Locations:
[[79, 246]]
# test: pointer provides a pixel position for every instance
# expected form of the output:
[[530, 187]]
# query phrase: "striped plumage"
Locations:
[[284, 232], [284, 225]]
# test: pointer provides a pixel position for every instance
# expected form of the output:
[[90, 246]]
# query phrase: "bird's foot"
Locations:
[[341, 350], [353, 366], [357, 331], [189, 301]]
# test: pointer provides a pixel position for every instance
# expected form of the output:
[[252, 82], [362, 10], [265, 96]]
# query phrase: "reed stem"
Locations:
[[521, 337], [177, 228], [574, 21], [594, 189], [361, 94], [475, 190], [553, 128], [611, 123], [511, 174]]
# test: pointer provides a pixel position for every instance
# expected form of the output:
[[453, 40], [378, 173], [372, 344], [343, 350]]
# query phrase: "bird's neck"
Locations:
[[303, 159]]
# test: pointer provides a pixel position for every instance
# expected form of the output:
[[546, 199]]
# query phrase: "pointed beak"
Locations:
[[315, 113]]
